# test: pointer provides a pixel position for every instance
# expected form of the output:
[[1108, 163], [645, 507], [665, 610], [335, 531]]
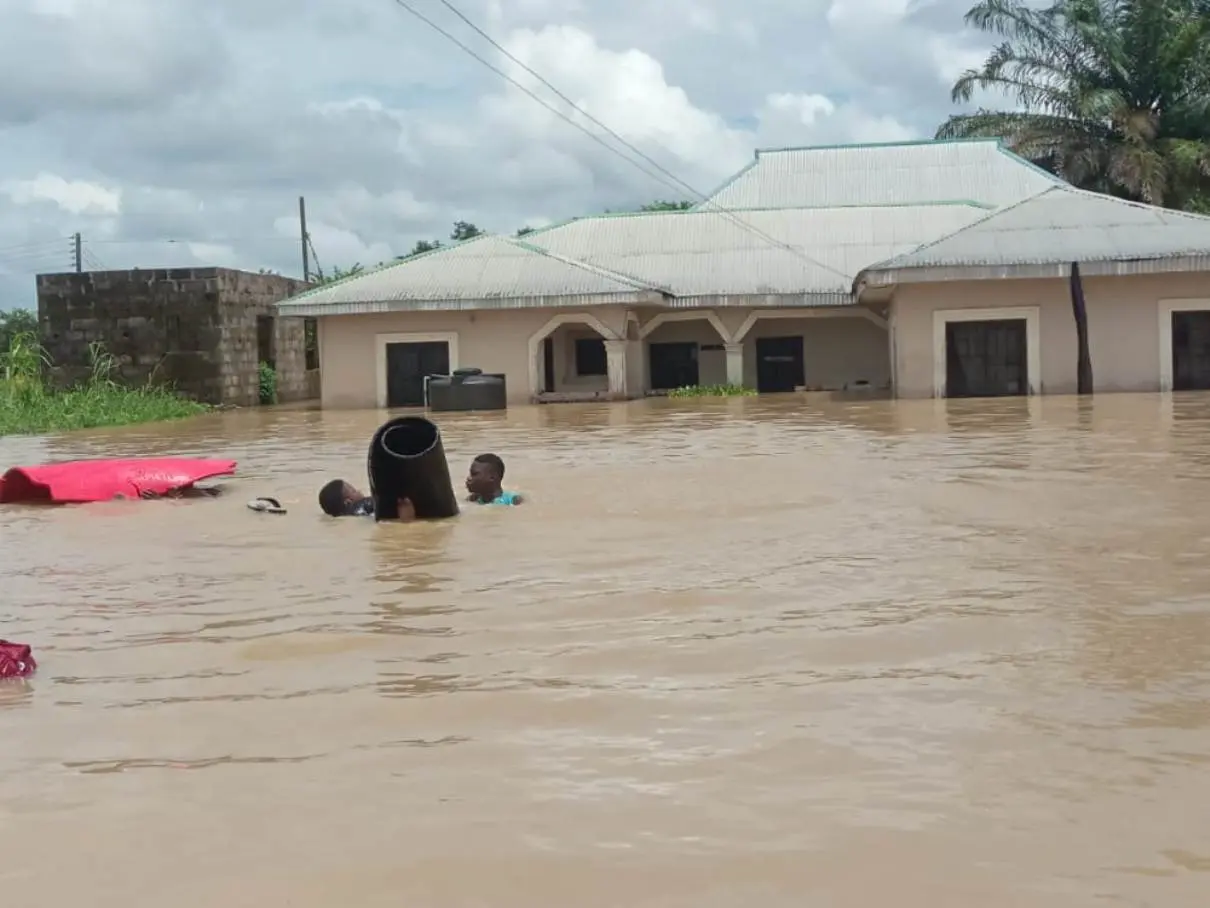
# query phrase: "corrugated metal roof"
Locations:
[[907, 173], [1041, 236], [486, 272], [812, 252]]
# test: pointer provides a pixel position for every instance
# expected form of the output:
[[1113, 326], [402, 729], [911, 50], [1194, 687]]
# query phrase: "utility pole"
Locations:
[[79, 251], [302, 226]]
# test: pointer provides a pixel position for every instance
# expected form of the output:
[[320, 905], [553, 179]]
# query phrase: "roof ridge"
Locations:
[[1159, 209], [619, 276], [991, 215], [395, 263], [903, 143]]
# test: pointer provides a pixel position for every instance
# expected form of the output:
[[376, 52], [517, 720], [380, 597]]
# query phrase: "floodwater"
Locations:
[[752, 652]]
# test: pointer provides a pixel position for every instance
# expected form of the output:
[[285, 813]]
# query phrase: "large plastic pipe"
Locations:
[[407, 460]]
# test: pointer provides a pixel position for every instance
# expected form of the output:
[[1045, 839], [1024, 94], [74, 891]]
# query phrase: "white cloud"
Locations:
[[166, 133], [73, 196]]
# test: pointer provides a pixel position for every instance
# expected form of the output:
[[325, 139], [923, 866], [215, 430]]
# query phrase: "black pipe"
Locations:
[[407, 460]]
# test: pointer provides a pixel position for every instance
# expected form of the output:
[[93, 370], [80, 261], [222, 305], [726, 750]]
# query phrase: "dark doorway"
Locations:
[[548, 364], [266, 346], [1191, 351], [673, 366], [407, 367], [779, 364], [986, 358]]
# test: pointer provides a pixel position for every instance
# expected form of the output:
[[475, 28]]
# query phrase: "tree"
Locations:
[[339, 274], [662, 205], [464, 231], [16, 322], [1114, 95], [524, 230], [423, 246]]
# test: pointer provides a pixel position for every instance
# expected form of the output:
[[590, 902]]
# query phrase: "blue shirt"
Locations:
[[502, 498]]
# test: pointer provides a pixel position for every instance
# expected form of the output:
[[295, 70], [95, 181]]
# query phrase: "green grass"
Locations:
[[712, 391], [28, 406]]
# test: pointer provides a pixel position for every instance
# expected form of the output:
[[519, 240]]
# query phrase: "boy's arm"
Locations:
[[407, 510]]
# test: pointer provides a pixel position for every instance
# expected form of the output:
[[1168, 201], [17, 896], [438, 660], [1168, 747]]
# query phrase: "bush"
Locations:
[[268, 383], [712, 391], [29, 407]]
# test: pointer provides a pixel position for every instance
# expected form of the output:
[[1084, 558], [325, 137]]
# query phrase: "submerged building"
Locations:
[[938, 268]]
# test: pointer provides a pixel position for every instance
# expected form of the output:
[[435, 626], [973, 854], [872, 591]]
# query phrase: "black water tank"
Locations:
[[467, 389]]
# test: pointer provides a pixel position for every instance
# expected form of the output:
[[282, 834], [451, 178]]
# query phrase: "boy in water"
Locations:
[[484, 482], [340, 499]]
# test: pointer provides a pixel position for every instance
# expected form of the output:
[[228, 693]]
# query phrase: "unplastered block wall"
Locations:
[[160, 325], [244, 299]]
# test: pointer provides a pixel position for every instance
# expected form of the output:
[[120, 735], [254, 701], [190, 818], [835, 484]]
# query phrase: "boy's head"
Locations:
[[336, 497], [487, 472]]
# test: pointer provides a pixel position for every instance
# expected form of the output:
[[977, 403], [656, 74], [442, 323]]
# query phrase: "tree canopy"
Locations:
[[15, 322], [1111, 95]]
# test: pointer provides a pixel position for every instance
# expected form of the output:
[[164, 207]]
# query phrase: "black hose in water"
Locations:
[[407, 460]]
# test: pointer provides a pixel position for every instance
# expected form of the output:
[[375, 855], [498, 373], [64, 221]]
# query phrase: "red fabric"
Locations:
[[16, 660], [82, 481]]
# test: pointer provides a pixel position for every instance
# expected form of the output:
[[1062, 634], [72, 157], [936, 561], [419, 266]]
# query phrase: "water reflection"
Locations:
[[730, 650]]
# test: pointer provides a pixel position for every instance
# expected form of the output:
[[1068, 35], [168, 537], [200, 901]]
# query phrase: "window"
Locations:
[[590, 356], [311, 343]]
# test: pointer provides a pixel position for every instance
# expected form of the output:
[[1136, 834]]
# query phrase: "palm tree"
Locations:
[[1112, 95]]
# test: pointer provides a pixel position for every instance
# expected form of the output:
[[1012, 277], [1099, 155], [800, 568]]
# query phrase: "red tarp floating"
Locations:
[[82, 481]]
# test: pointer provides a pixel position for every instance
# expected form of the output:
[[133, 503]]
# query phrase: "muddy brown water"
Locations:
[[777, 653]]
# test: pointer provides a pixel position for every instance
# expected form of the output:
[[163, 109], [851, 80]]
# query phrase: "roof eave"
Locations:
[[813, 299], [928, 274], [309, 309]]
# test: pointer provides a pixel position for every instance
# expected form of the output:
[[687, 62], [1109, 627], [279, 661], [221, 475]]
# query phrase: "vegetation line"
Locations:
[[29, 405]]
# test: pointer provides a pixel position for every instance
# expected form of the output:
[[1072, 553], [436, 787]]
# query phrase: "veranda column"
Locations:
[[615, 360], [735, 363]]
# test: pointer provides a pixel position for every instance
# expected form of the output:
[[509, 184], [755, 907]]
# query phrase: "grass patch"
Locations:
[[712, 391], [28, 406]]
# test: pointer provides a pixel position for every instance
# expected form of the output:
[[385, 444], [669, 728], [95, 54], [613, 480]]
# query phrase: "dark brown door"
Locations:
[[780, 365], [1190, 351], [986, 358], [548, 364], [407, 367], [673, 365]]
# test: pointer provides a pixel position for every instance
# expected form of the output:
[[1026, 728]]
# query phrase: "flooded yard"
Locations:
[[747, 652]]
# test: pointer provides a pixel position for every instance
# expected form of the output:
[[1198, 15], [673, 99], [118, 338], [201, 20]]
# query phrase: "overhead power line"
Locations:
[[661, 175]]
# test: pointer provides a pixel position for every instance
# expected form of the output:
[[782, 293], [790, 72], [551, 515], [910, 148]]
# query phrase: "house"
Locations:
[[921, 268], [204, 331]]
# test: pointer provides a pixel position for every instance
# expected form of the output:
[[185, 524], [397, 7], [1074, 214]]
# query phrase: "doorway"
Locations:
[[780, 365], [548, 364], [1191, 351], [407, 367], [986, 358], [673, 365]]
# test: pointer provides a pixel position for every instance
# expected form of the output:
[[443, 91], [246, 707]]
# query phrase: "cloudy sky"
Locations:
[[178, 132]]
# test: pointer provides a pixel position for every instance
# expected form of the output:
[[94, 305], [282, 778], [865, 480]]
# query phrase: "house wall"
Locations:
[[185, 327], [1123, 327], [493, 340], [838, 352], [840, 349]]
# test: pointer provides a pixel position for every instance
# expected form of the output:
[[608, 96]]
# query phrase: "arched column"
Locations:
[[611, 339]]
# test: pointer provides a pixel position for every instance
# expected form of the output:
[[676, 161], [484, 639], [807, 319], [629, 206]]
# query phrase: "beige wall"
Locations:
[[839, 349], [491, 341], [838, 352], [1123, 327]]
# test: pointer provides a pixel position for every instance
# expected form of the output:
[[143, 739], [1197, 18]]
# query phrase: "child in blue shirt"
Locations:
[[484, 482]]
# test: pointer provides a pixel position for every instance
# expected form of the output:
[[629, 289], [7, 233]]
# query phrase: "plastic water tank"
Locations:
[[467, 389]]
